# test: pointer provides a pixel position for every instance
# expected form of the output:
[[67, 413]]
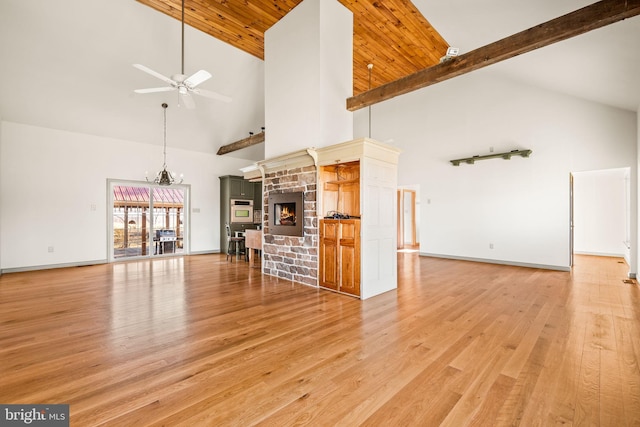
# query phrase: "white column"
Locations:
[[308, 77]]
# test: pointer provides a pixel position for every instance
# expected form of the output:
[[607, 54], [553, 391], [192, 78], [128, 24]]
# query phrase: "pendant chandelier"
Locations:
[[164, 177]]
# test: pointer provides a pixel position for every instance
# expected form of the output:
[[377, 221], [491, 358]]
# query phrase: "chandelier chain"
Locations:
[[164, 163], [165, 177]]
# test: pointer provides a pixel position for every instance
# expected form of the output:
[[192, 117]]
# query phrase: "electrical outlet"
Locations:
[[490, 245], [50, 249]]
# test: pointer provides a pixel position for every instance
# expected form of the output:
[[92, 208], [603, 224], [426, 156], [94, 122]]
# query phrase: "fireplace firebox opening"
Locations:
[[286, 214]]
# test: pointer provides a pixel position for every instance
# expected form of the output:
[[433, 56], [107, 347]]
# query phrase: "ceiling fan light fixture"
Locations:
[[164, 177], [185, 84]]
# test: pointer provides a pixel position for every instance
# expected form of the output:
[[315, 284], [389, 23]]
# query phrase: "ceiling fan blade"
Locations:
[[155, 89], [197, 78], [154, 74], [187, 100], [212, 95]]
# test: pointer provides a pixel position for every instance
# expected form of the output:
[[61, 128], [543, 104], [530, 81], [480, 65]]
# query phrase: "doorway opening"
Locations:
[[147, 220], [600, 213], [408, 220]]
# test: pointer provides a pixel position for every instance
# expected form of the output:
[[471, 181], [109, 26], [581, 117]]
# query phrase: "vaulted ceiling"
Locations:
[[73, 71], [392, 34]]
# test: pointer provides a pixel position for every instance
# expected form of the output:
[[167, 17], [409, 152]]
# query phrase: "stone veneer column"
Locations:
[[290, 257]]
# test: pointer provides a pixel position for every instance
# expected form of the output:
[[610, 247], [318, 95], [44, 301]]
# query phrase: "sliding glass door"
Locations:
[[147, 220], [131, 206]]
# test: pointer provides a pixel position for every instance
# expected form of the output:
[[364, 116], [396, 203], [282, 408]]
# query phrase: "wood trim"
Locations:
[[578, 22], [399, 226], [243, 143], [403, 194]]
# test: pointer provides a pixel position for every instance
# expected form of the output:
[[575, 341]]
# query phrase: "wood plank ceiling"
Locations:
[[391, 34]]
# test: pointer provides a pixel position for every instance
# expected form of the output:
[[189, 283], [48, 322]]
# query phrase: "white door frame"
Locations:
[[186, 242]]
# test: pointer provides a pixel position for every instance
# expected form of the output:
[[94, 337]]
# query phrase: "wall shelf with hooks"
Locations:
[[506, 156]]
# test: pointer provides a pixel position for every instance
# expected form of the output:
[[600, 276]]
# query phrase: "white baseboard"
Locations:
[[50, 266], [600, 254], [85, 263], [500, 262]]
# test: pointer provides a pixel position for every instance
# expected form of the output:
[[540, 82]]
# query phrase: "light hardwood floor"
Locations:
[[198, 341]]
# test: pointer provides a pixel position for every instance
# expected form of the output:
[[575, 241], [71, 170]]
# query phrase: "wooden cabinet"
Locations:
[[339, 266], [240, 188], [340, 188], [357, 179]]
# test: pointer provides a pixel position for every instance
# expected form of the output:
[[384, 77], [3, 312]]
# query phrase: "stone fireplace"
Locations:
[[354, 256], [290, 247]]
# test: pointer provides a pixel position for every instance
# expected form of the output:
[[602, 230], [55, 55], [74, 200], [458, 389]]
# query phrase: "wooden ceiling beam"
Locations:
[[243, 143], [581, 21]]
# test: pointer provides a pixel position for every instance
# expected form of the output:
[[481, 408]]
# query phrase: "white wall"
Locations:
[[635, 212], [1, 133], [308, 77], [520, 206], [73, 71], [50, 178], [602, 212]]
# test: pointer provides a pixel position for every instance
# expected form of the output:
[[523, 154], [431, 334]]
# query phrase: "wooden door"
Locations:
[[409, 217], [571, 230], [349, 255], [400, 228], [328, 259]]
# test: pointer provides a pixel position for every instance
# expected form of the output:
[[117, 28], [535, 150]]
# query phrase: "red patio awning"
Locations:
[[139, 196]]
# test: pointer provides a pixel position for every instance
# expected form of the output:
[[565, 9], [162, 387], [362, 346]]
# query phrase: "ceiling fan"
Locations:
[[185, 85]]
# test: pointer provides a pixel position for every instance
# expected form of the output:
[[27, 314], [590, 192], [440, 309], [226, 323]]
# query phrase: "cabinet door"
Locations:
[[235, 187], [257, 195], [328, 259], [241, 189], [349, 257], [247, 189]]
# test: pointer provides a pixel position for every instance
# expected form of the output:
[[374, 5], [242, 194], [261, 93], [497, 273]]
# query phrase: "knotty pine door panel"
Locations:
[[329, 254], [340, 255], [349, 251]]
